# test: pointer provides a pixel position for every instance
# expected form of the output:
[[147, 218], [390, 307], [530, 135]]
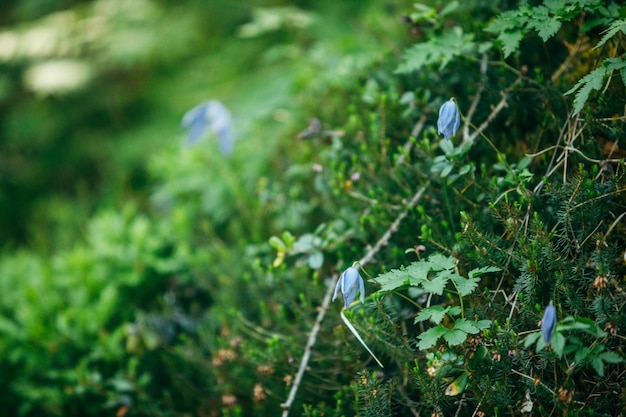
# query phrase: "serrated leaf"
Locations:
[[541, 21], [440, 262], [392, 280], [611, 357], [612, 31], [464, 286], [505, 21], [434, 314], [483, 324], [429, 338], [595, 79], [581, 354], [483, 270], [454, 311], [439, 49], [614, 64], [510, 41], [418, 270], [598, 365], [590, 82], [455, 337], [465, 326], [437, 284]]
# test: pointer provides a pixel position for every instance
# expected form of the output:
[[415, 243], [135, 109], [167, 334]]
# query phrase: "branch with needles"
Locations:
[[368, 257], [383, 241]]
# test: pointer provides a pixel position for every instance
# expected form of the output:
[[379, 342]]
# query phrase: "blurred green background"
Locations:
[[87, 136]]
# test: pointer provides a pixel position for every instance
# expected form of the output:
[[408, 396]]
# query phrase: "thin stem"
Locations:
[[356, 334]]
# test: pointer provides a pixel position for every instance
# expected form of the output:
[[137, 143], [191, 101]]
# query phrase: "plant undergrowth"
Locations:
[[462, 242]]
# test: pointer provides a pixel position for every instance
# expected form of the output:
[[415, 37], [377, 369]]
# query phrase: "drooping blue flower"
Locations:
[[350, 282], [548, 324], [449, 119], [214, 116]]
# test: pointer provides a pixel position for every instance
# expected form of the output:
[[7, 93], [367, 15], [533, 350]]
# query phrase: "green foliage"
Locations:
[[373, 396], [440, 50], [567, 342], [595, 80], [443, 274], [546, 19], [139, 277]]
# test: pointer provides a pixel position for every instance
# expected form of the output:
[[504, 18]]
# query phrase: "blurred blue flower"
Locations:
[[548, 323], [350, 282], [211, 115], [449, 119]]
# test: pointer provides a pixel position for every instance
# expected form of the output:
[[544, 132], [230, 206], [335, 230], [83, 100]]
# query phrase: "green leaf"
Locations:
[[315, 260], [611, 357], [454, 311], [485, 269], [418, 271], [483, 324], [434, 314], [440, 49], [531, 338], [612, 31], [509, 20], [558, 344], [510, 41], [276, 243], [440, 262], [464, 286], [455, 337], [429, 338], [392, 280], [590, 82], [580, 324], [458, 386], [598, 365], [595, 79], [542, 21], [437, 284], [581, 354], [449, 8], [466, 326]]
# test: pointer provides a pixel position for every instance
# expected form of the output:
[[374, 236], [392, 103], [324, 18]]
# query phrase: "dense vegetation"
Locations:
[[139, 276]]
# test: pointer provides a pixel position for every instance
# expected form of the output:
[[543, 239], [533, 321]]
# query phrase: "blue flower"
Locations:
[[211, 115], [350, 282], [548, 323], [449, 119]]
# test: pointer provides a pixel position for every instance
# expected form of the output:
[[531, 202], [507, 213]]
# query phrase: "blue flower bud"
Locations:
[[211, 115], [449, 119], [350, 282], [548, 323]]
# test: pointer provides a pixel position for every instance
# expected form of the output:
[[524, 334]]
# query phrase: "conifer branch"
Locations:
[[384, 240]]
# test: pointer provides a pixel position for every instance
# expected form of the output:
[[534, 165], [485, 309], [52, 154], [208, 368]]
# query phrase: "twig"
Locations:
[[408, 145], [474, 105], [384, 240], [501, 105], [393, 228], [309, 346], [535, 381]]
